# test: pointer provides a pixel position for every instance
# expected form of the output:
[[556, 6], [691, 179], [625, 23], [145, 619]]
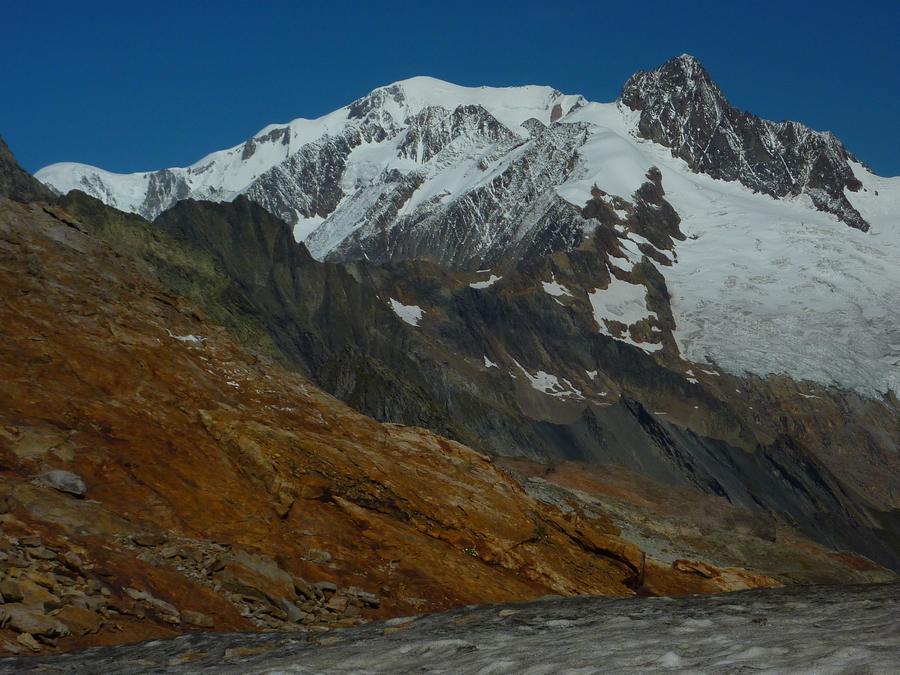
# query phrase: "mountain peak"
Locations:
[[677, 76], [683, 109], [688, 63]]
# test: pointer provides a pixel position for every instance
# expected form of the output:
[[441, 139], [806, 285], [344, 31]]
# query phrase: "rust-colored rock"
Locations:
[[79, 621], [256, 575], [214, 473]]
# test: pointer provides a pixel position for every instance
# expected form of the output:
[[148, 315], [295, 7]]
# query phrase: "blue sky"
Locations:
[[134, 86]]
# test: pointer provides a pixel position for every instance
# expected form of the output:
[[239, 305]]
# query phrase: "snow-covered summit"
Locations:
[[509, 105], [224, 174]]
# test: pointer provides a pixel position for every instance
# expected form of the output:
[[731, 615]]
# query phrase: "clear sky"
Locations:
[[131, 86]]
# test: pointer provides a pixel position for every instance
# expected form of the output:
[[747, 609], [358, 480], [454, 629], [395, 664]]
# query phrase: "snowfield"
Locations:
[[411, 314], [761, 285], [624, 303]]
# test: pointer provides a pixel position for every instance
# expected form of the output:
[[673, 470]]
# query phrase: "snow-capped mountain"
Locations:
[[400, 151], [770, 278]]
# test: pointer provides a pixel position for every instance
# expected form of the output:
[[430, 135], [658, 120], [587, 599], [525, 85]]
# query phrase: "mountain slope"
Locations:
[[16, 183], [216, 477], [158, 477], [517, 367], [470, 177]]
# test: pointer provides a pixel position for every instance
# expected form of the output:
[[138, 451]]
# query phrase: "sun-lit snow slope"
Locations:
[[219, 176], [222, 175], [766, 285]]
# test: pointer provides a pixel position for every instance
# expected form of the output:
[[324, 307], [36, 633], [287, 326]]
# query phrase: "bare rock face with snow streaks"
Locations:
[[683, 109]]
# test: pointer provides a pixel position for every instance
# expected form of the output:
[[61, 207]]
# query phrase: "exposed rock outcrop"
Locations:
[[683, 109], [18, 184]]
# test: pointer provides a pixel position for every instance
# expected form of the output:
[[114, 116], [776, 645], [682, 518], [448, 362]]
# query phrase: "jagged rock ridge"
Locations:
[[683, 109]]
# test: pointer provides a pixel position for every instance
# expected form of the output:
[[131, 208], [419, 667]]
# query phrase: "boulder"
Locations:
[[318, 555], [197, 619], [11, 591], [167, 611], [294, 614], [366, 598], [80, 621], [256, 576], [36, 595], [338, 604], [28, 640], [64, 481], [304, 589], [25, 619], [74, 562], [41, 553], [149, 539]]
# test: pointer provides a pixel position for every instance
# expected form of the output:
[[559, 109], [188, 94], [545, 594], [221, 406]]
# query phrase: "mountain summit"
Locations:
[[683, 109], [423, 147]]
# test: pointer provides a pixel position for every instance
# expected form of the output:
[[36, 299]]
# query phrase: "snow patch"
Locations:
[[305, 226], [487, 283], [411, 314], [190, 339], [555, 289], [623, 302], [549, 384]]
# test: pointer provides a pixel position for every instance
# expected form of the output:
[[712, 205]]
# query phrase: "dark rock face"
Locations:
[[319, 315], [334, 321], [683, 109], [434, 128], [308, 183], [163, 188], [18, 184]]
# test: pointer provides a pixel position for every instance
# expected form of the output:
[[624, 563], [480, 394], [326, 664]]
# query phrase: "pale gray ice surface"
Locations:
[[854, 629]]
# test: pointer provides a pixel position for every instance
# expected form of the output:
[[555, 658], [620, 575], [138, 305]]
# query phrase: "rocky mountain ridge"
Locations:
[[683, 109]]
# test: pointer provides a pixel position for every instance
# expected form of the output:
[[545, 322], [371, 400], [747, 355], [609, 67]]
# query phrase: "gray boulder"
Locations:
[[64, 481]]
